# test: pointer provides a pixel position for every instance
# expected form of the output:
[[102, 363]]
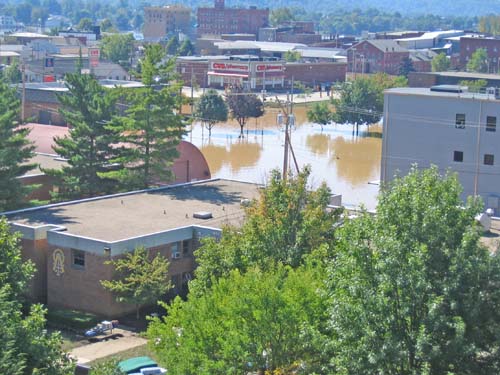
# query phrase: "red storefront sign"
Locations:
[[230, 67], [269, 68]]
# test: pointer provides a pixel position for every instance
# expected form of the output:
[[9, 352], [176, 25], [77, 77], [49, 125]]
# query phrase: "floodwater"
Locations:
[[347, 162]]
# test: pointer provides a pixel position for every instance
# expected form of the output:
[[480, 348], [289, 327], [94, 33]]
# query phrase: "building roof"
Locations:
[[29, 35], [467, 75], [419, 91], [321, 53], [263, 46], [130, 215], [386, 45], [44, 161]]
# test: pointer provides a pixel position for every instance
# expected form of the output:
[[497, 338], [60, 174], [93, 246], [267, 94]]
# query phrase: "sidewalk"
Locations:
[[119, 341], [298, 97]]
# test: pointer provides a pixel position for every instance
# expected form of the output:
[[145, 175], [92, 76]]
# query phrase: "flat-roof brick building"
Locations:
[[70, 242], [221, 20]]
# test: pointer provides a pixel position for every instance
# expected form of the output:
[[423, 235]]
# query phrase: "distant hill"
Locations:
[[405, 7]]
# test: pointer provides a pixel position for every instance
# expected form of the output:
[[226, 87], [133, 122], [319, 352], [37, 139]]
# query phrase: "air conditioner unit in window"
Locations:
[[176, 255]]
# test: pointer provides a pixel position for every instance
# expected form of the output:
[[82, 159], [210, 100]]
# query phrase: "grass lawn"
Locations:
[[139, 351]]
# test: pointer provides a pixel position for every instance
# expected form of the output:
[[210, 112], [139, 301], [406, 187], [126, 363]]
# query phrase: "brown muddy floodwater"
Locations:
[[345, 161]]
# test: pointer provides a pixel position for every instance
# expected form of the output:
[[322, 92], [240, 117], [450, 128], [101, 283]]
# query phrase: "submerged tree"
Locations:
[[243, 105], [211, 109]]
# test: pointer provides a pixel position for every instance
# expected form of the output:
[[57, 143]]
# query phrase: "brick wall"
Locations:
[[198, 69], [36, 251], [80, 288], [469, 45], [43, 113], [421, 79], [315, 73]]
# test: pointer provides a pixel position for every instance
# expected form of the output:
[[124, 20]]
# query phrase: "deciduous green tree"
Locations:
[[15, 151], [320, 113], [284, 225], [243, 105], [363, 99], [280, 15], [292, 56], [172, 45], [88, 108], [140, 279], [210, 109], [246, 323], [479, 61], [25, 346], [85, 24], [117, 47], [13, 271], [186, 48], [406, 67], [412, 290], [474, 85], [440, 63], [12, 73]]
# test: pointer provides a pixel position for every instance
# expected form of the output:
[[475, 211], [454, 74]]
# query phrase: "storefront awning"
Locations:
[[227, 74]]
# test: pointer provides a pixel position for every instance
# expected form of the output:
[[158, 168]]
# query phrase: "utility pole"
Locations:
[[288, 146], [192, 93], [23, 94]]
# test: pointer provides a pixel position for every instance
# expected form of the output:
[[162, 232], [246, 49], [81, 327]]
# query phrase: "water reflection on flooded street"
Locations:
[[345, 161]]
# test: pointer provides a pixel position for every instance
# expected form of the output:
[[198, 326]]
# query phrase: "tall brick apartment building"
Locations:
[[376, 56], [469, 45], [221, 20], [160, 22], [70, 242]]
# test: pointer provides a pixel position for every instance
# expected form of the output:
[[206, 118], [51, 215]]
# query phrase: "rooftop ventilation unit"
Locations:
[[204, 215], [449, 88]]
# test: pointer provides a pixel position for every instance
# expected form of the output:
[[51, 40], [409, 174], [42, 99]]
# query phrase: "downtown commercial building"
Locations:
[[221, 20], [249, 74], [447, 127]]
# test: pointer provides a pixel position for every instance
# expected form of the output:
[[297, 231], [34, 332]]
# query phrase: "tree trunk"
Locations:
[[137, 308]]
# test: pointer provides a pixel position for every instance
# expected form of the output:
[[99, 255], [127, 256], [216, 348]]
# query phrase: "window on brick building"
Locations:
[[186, 247], [460, 121], [489, 159], [491, 124], [78, 258], [458, 156]]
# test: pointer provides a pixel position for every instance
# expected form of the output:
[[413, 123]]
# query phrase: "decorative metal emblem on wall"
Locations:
[[58, 258]]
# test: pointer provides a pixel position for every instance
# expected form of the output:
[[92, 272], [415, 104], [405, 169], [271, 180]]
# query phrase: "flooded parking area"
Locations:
[[348, 162]]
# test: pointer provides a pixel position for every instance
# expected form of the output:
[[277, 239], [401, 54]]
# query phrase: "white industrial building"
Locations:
[[448, 127]]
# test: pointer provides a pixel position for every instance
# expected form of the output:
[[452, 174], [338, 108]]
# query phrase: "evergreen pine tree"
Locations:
[[89, 148], [151, 128], [15, 151]]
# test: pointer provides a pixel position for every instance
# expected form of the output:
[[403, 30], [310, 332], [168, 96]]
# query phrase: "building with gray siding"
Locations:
[[448, 127]]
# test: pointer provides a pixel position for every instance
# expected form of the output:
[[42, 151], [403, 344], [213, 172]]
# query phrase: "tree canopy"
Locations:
[[243, 105], [245, 323], [362, 100], [210, 109], [88, 108], [479, 61], [139, 279], [25, 346], [118, 47], [285, 224], [412, 290], [440, 63], [15, 151], [150, 127], [320, 113]]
